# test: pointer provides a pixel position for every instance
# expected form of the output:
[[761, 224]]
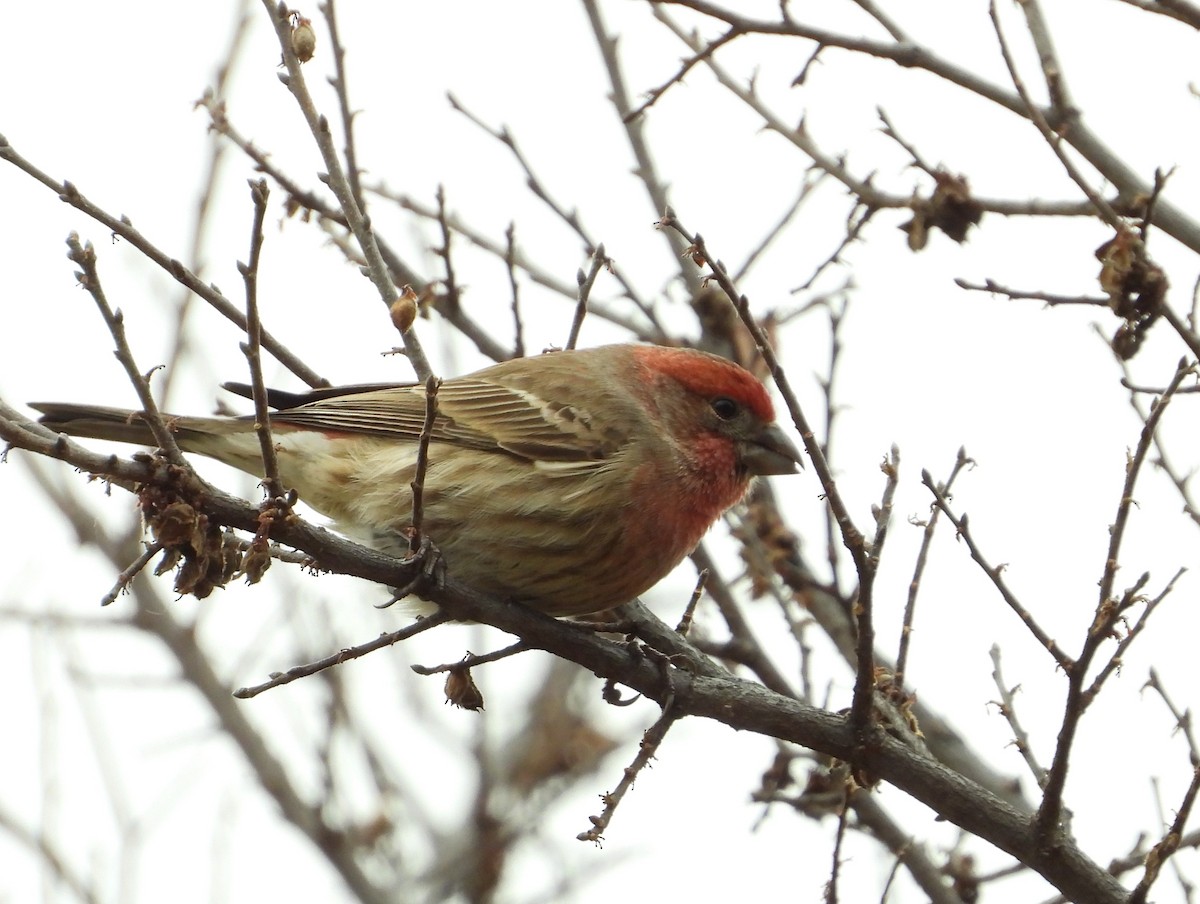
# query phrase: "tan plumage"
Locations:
[[571, 481]]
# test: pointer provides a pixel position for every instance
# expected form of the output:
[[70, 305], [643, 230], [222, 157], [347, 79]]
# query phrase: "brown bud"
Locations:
[[304, 40], [178, 524], [256, 561], [462, 691], [404, 310]]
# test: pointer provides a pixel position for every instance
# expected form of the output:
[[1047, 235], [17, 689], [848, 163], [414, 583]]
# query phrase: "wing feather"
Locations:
[[473, 412]]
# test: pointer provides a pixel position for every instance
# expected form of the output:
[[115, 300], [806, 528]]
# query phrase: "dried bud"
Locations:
[[462, 691], [256, 561], [178, 524], [170, 558], [693, 251], [190, 578], [1119, 259], [1126, 342], [950, 208], [404, 310], [918, 231], [304, 40], [1136, 288]]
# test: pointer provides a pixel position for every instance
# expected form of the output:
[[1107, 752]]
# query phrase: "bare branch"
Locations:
[[336, 176], [995, 575], [1057, 93], [1108, 611], [124, 228], [262, 417], [586, 281], [910, 606], [648, 747], [1008, 709], [303, 671], [89, 278]]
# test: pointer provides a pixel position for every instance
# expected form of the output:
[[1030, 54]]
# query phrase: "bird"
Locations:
[[570, 481]]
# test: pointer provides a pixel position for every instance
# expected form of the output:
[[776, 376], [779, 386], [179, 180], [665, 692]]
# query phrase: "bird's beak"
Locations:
[[770, 452]]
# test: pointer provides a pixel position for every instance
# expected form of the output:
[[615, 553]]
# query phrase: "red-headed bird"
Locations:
[[571, 481]]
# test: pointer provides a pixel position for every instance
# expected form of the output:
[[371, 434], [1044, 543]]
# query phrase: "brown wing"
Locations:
[[524, 423], [472, 412]]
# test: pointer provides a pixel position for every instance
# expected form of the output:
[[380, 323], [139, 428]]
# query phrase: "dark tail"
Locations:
[[95, 422]]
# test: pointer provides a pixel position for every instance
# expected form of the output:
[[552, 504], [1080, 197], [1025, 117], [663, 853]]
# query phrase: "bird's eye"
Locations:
[[725, 408]]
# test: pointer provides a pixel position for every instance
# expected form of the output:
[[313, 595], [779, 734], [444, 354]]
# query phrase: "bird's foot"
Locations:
[[431, 572]]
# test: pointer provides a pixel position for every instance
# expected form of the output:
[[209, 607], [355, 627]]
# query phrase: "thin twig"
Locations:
[[432, 384], [377, 269], [1190, 506], [1160, 183], [1132, 470], [250, 348], [685, 621], [510, 265], [890, 131], [1048, 297], [655, 94], [914, 586], [831, 887], [471, 660], [646, 169], [384, 640], [837, 317], [1052, 70], [890, 466], [531, 268], [569, 217], [1169, 844], [56, 862], [913, 55], [1008, 709], [128, 574], [452, 298], [889, 24], [1108, 611], [648, 747], [68, 193], [854, 227], [1054, 139], [995, 575], [1180, 10], [216, 153], [862, 709], [812, 179], [89, 278], [1118, 657], [586, 281], [744, 647], [343, 95], [1183, 718], [1185, 332], [1136, 389]]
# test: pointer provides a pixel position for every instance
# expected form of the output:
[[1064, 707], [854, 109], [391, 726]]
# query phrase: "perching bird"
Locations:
[[571, 481]]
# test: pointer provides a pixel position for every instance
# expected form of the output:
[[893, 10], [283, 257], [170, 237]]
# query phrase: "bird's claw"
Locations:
[[431, 574]]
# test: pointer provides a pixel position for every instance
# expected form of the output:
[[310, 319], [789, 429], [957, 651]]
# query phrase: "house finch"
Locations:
[[571, 481]]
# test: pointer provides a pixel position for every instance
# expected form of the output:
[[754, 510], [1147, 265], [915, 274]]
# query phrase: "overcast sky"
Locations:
[[103, 95]]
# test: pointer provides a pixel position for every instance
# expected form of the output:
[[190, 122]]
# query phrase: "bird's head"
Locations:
[[721, 407]]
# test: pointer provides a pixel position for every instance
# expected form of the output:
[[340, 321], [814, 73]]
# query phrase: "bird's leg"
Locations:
[[431, 573]]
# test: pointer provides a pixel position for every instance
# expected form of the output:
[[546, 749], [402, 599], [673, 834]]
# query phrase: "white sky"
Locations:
[[102, 94]]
